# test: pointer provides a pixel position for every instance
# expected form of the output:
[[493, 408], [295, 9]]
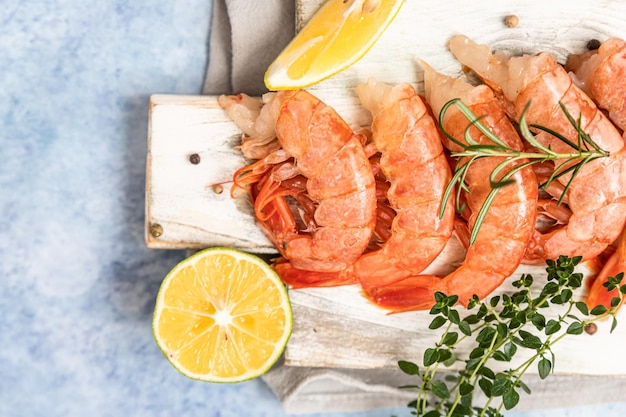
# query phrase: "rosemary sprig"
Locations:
[[497, 329], [584, 150]]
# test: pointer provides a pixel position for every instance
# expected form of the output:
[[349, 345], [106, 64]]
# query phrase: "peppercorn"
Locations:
[[194, 158], [593, 44], [511, 21], [591, 328]]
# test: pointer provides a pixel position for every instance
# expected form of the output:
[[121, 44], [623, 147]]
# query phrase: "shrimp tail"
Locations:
[[410, 294], [418, 292], [302, 278], [616, 264]]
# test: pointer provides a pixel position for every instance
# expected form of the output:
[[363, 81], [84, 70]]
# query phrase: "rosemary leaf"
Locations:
[[584, 150]]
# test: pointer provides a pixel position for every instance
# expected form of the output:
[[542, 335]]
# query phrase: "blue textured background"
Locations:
[[77, 284]]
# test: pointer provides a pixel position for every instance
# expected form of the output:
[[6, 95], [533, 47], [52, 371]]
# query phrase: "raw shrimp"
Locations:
[[597, 196], [329, 174], [601, 74], [413, 161], [500, 244]]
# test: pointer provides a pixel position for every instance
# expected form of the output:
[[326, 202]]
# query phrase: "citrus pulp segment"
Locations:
[[339, 34], [222, 315]]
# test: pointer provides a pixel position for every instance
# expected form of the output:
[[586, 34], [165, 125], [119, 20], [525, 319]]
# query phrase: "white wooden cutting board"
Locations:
[[335, 327]]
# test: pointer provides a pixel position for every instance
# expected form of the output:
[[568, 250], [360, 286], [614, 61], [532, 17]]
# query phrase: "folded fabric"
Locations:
[[313, 390], [245, 38]]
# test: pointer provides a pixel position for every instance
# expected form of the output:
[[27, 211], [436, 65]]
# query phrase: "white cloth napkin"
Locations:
[[245, 39], [314, 390]]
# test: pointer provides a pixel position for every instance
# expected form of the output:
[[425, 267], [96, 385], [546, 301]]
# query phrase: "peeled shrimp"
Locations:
[[500, 244], [597, 196], [601, 74], [323, 166]]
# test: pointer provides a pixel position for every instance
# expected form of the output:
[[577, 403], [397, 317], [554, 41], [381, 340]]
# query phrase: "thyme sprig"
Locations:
[[584, 150], [497, 329]]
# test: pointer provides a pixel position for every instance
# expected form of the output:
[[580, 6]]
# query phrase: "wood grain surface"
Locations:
[[336, 327]]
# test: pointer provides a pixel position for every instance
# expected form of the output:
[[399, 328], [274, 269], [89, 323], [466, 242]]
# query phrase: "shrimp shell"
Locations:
[[340, 187], [601, 74], [413, 161], [597, 196], [501, 242]]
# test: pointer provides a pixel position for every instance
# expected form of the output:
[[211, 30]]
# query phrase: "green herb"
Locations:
[[584, 150], [497, 328]]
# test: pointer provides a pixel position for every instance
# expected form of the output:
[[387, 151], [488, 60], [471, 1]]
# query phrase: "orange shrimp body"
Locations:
[[337, 186], [598, 294], [597, 196], [601, 74], [500, 244], [413, 161]]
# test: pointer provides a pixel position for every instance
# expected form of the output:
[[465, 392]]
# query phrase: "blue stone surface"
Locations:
[[77, 284]]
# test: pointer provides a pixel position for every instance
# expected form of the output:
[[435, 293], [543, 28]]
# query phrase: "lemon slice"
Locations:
[[339, 34], [222, 315]]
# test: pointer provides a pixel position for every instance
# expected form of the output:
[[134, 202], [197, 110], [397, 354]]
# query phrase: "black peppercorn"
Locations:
[[194, 158], [593, 44]]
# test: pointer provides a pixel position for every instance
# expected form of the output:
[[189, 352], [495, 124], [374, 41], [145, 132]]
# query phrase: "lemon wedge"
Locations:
[[340, 33]]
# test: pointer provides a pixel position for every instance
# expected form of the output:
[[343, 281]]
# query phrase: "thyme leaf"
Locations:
[[496, 329]]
